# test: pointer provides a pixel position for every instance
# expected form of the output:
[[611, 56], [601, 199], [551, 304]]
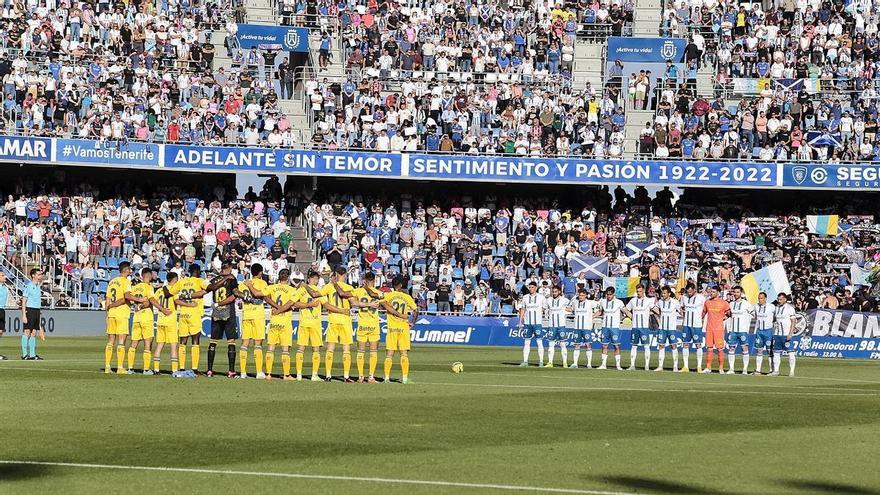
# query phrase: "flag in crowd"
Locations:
[[623, 286], [634, 250], [826, 225], [593, 267], [771, 280], [681, 280]]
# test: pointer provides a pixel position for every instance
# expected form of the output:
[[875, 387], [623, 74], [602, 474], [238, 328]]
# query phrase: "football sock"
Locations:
[[720, 359], [551, 352], [316, 363], [617, 360], [746, 362], [242, 359], [527, 349], [195, 353], [299, 363], [270, 360], [699, 358], [791, 361], [661, 353], [686, 354], [156, 363], [709, 356], [604, 358], [360, 363], [258, 359], [589, 358], [148, 356], [32, 346], [374, 360], [24, 345], [777, 361], [212, 351], [108, 355], [346, 363], [120, 358], [633, 354], [388, 364], [675, 359], [404, 366], [759, 360], [131, 355], [328, 363], [647, 355], [563, 348], [175, 365], [731, 356], [285, 363], [181, 355], [230, 356], [575, 355], [540, 351]]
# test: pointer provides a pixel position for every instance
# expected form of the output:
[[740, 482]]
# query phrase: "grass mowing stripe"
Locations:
[[230, 472]]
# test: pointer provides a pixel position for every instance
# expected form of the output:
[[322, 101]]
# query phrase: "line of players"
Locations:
[[703, 321], [179, 310]]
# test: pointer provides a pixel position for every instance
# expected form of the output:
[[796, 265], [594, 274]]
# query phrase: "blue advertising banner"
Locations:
[[107, 152], [527, 169], [286, 161], [628, 49], [25, 149], [289, 39], [832, 176]]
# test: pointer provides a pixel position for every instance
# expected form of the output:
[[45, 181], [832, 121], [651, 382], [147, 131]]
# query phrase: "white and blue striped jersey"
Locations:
[[583, 313], [640, 307], [783, 315], [556, 308], [533, 309], [611, 312], [764, 317], [693, 310], [740, 316], [669, 309]]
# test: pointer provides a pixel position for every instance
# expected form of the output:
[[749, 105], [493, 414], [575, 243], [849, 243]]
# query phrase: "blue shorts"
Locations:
[[610, 336], [762, 339], [692, 335], [583, 336], [532, 331], [664, 336], [640, 336], [780, 343], [738, 338], [554, 333]]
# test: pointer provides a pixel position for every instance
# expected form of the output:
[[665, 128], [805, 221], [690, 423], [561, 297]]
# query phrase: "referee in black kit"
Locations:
[[223, 321]]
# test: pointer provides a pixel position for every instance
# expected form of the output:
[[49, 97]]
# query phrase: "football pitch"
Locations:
[[495, 428]]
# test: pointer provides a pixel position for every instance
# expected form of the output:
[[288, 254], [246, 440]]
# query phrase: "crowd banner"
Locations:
[[88, 152], [646, 54], [25, 149], [286, 38]]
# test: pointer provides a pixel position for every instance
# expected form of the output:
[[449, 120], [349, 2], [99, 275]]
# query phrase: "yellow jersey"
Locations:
[[184, 289], [167, 303], [143, 312], [329, 291], [253, 307], [368, 317], [282, 294], [309, 316], [116, 290], [402, 303]]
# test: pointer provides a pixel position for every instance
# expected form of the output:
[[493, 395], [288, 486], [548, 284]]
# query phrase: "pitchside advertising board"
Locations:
[[819, 333]]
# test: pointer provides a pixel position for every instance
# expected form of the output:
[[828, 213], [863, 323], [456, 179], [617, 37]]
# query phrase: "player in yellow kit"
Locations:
[[253, 293], [119, 296], [401, 309], [281, 298], [142, 322], [188, 292], [308, 332], [166, 325], [368, 326]]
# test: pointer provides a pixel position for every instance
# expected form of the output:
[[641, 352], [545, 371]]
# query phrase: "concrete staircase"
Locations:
[[647, 18], [303, 246], [635, 122], [588, 65], [261, 12]]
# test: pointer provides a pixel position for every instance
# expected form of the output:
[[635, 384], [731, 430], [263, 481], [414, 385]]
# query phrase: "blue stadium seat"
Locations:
[[432, 308], [457, 273], [395, 248], [507, 309], [468, 308]]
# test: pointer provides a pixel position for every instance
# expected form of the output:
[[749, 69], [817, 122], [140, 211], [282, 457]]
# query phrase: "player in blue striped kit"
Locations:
[[557, 306], [692, 326], [584, 310], [531, 315], [668, 309], [764, 314], [640, 307], [740, 321], [610, 309]]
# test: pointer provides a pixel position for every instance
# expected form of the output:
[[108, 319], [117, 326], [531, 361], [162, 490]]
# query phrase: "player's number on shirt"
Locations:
[[113, 295], [186, 294], [165, 302], [366, 300]]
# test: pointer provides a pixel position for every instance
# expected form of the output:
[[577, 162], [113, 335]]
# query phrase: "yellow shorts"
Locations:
[[253, 329], [309, 335], [167, 333], [367, 333], [281, 334], [189, 325], [117, 326], [397, 340], [141, 330], [339, 333]]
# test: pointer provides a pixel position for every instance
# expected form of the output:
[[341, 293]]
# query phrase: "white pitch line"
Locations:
[[229, 472]]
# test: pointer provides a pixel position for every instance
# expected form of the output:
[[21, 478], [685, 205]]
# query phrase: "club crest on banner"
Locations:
[[799, 173], [291, 39]]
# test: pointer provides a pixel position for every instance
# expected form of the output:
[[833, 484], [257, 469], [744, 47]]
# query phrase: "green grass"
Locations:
[[587, 430]]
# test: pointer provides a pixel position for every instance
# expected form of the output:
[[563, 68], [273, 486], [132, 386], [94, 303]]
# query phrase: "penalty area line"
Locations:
[[269, 474]]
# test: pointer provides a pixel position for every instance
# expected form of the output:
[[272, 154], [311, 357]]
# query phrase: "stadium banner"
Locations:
[[646, 54], [852, 176], [88, 152], [61, 323], [284, 161], [26, 149], [837, 334], [289, 39]]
